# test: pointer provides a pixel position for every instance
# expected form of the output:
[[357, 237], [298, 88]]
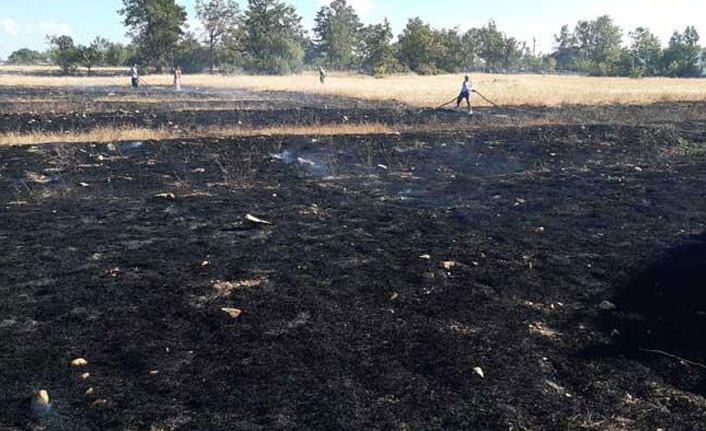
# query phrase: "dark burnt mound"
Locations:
[[664, 305]]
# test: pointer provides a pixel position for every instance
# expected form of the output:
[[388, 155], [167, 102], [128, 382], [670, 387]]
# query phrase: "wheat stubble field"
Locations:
[[261, 253], [421, 91]]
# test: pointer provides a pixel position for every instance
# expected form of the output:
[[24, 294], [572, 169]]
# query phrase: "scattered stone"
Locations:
[[79, 362], [7, 323], [304, 161], [449, 265], [606, 306], [85, 376], [394, 296], [256, 220], [558, 389], [225, 288], [301, 320], [539, 328], [169, 196], [89, 391], [40, 404], [232, 312]]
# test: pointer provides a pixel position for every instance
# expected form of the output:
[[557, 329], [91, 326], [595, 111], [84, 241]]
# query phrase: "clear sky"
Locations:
[[24, 23]]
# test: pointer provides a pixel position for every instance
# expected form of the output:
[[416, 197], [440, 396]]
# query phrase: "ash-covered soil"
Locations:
[[506, 276]]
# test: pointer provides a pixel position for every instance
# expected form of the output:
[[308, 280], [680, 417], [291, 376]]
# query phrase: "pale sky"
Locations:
[[24, 23]]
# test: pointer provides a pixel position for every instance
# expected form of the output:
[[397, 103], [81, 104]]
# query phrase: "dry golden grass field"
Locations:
[[422, 91]]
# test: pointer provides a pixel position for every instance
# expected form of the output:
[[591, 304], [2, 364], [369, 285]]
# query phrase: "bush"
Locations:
[[26, 56], [637, 73], [284, 56], [427, 69]]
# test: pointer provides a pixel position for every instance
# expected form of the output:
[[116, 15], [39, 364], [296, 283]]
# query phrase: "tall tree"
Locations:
[[598, 44], [221, 19], [513, 52], [338, 34], [606, 40], [273, 37], [594, 47], [378, 54], [451, 55], [417, 46], [492, 47], [93, 54], [156, 27], [566, 50], [645, 51], [117, 54], [63, 52], [471, 41], [681, 58]]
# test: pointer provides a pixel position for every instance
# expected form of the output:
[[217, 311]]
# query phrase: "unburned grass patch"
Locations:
[[114, 134]]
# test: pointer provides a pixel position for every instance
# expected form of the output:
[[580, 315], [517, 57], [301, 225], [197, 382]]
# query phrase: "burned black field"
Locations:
[[500, 277]]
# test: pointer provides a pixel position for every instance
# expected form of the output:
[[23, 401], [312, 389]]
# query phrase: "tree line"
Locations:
[[268, 37]]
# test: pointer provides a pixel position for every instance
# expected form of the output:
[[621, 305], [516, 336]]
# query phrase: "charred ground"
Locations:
[[396, 267]]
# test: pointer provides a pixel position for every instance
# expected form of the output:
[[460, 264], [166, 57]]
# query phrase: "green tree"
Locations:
[[681, 58], [190, 55], [513, 52], [417, 47], [566, 50], [88, 57], [338, 35], [63, 52], [470, 44], [26, 56], [221, 19], [451, 53], [607, 40], [378, 54], [598, 44], [492, 48], [156, 28], [93, 54], [645, 51], [273, 37], [117, 54]]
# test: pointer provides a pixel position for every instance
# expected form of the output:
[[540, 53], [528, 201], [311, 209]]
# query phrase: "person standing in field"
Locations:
[[177, 78], [466, 90], [135, 76], [322, 75]]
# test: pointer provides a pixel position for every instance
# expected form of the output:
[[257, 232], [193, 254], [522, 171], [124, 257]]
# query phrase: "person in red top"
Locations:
[[177, 78]]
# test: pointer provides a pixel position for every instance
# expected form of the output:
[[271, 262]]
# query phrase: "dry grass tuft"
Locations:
[[111, 134]]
